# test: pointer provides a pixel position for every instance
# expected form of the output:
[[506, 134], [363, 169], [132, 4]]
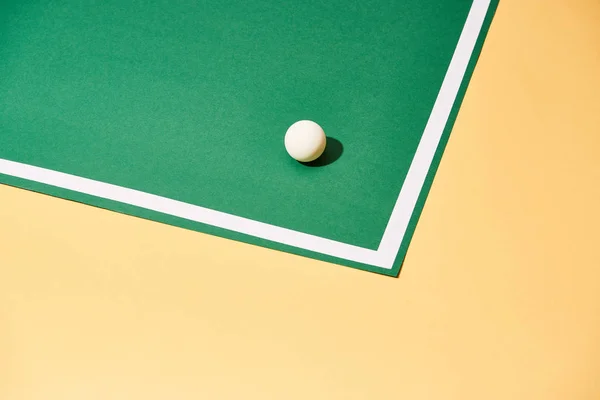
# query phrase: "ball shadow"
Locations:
[[333, 151]]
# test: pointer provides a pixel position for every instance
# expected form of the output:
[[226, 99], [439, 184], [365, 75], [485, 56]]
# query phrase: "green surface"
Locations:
[[190, 100]]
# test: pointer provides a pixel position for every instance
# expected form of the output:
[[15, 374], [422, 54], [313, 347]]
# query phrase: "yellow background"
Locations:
[[499, 297]]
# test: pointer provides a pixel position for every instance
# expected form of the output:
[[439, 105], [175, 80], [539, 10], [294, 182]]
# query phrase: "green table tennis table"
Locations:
[[175, 111]]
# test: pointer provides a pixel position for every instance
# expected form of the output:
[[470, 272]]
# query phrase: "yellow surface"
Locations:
[[499, 297]]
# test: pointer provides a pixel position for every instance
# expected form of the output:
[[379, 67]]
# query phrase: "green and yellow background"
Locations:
[[499, 297]]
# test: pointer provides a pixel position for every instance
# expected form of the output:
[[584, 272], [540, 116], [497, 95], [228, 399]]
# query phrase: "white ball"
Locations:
[[305, 141]]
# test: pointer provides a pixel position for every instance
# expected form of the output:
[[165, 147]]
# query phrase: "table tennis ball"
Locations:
[[305, 141]]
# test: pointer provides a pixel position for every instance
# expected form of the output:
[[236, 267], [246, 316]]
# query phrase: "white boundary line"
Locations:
[[434, 130], [394, 233]]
